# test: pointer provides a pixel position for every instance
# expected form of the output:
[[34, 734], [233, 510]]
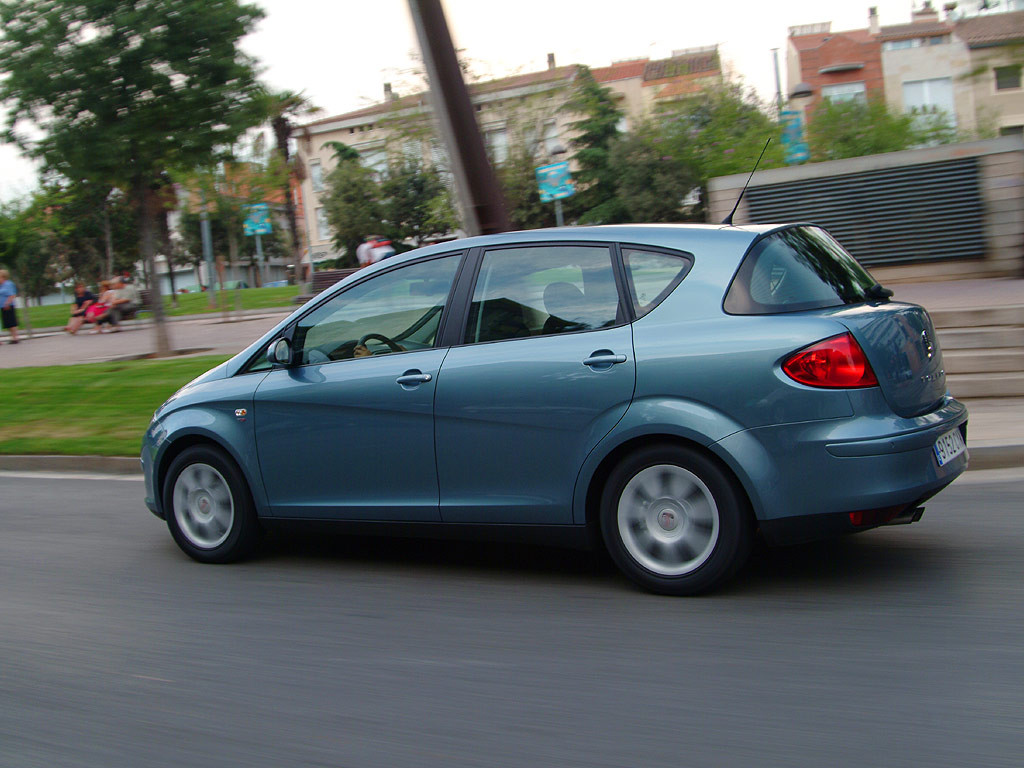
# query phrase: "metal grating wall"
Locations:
[[914, 213]]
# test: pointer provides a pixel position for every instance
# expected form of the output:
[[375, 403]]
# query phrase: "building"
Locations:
[[526, 107], [964, 66], [834, 66], [995, 46]]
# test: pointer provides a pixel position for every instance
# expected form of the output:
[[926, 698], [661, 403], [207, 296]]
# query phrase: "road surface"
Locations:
[[898, 647]]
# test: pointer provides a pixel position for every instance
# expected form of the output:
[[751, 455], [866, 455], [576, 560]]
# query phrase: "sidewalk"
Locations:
[[996, 430]]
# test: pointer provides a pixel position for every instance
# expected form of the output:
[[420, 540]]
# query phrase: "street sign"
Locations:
[[257, 220], [793, 143], [554, 182]]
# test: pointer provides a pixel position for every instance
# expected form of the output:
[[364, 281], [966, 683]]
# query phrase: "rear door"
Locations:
[[544, 370]]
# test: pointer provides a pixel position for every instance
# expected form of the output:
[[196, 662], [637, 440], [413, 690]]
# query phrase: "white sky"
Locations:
[[340, 53]]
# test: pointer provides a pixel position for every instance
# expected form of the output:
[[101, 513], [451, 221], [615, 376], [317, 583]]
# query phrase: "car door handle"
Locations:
[[604, 359], [412, 378]]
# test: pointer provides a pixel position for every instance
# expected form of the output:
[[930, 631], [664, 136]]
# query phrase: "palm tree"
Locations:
[[282, 108]]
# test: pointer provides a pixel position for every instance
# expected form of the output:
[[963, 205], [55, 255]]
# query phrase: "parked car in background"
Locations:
[[668, 391]]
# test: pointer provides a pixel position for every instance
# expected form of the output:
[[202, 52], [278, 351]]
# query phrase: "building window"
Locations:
[[938, 39], [930, 97], [1007, 78], [316, 175], [841, 92], [497, 144], [551, 142], [376, 159], [323, 229], [1012, 130], [899, 45]]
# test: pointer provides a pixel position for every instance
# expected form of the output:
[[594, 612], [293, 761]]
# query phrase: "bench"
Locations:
[[323, 280]]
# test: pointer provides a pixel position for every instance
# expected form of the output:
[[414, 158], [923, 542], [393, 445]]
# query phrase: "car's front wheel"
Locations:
[[208, 506], [674, 521]]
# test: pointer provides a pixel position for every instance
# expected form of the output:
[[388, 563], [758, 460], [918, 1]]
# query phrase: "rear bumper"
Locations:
[[805, 479]]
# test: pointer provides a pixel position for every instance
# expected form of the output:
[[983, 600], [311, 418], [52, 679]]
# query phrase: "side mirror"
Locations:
[[279, 352]]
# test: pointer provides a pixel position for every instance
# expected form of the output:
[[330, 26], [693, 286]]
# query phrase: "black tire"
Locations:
[[209, 534], [681, 542]]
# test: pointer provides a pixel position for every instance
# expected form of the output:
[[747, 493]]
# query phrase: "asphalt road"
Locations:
[[898, 647]]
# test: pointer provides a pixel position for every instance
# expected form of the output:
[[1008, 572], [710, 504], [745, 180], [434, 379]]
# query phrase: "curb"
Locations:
[[105, 465], [982, 457]]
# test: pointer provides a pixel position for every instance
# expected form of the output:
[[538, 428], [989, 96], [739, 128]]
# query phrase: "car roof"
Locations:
[[685, 237]]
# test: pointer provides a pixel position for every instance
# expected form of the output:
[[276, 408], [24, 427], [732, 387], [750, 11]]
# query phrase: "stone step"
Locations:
[[1002, 359], [979, 316], [983, 385], [982, 337]]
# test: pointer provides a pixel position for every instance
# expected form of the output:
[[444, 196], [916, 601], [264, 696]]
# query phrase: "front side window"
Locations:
[[796, 269], [542, 290], [316, 175], [652, 276], [398, 311]]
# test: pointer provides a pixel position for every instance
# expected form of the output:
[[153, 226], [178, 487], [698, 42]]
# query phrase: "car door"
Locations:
[[544, 370], [347, 432]]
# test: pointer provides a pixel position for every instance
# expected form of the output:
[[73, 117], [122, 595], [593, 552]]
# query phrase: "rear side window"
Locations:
[[652, 276], [796, 269]]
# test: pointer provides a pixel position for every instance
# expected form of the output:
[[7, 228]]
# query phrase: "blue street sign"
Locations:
[[257, 220], [793, 143], [555, 182]]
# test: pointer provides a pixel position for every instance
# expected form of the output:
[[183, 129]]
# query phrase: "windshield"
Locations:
[[795, 269]]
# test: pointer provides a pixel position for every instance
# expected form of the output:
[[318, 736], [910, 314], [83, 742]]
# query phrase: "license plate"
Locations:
[[949, 446]]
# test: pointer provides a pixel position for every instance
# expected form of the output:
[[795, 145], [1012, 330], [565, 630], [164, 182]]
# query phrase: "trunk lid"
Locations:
[[900, 343]]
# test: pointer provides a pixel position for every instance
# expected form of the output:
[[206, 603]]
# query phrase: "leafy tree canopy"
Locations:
[[855, 128], [595, 133]]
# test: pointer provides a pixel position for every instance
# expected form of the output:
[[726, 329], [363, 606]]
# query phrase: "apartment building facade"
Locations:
[[526, 107], [967, 67]]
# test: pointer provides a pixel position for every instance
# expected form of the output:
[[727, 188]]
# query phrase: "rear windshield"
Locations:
[[795, 269]]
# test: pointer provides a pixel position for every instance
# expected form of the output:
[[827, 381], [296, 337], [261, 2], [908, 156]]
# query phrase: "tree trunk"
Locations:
[[107, 239], [146, 201]]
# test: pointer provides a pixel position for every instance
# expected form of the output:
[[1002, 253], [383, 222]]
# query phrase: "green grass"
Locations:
[[88, 409], [53, 315]]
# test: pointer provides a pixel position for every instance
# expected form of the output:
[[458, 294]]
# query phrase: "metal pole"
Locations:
[[483, 205], [778, 82], [260, 260], [559, 221], [204, 233]]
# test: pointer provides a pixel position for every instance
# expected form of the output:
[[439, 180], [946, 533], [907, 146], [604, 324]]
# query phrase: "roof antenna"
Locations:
[[728, 219]]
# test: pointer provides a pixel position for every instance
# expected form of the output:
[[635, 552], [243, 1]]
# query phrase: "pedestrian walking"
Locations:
[[8, 315]]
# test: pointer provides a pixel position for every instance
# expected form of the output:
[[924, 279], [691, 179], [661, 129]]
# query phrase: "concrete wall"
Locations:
[[1002, 190]]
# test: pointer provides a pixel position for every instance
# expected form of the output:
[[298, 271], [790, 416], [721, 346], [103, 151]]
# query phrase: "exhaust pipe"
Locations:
[[910, 515]]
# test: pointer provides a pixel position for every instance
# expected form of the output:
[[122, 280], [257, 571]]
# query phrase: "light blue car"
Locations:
[[670, 391]]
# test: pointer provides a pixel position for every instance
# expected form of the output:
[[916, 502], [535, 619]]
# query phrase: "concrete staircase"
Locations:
[[983, 350]]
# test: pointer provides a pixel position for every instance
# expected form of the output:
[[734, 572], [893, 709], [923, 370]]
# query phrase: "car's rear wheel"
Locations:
[[674, 521], [208, 506]]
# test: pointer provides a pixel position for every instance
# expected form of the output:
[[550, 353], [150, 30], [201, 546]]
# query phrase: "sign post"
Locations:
[[554, 182], [257, 222]]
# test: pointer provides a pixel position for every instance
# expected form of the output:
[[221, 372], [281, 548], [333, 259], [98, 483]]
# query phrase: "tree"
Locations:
[[283, 107], [855, 128], [352, 205], [718, 131], [651, 183], [123, 92], [596, 131], [415, 203]]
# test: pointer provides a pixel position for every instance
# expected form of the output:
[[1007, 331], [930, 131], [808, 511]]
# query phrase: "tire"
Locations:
[[208, 507], [674, 522]]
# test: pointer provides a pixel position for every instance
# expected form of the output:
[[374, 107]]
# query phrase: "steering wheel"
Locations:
[[380, 337]]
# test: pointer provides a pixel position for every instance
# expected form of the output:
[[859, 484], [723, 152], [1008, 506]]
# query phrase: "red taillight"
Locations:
[[835, 362]]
